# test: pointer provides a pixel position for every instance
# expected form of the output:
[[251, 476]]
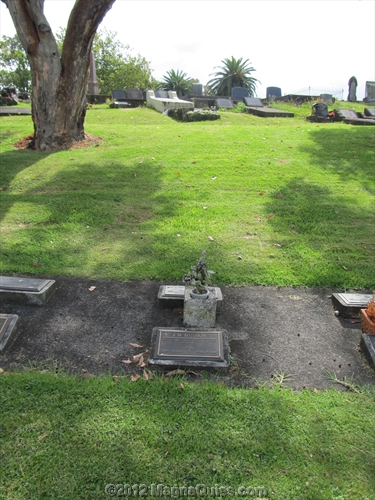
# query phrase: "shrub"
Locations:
[[185, 115]]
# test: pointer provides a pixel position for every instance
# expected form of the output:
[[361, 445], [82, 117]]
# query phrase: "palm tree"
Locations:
[[234, 73], [176, 80]]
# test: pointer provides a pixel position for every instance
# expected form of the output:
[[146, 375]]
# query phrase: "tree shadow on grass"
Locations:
[[348, 152], [326, 238]]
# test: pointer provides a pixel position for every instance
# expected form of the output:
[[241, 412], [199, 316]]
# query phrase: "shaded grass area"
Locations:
[[62, 437], [273, 201]]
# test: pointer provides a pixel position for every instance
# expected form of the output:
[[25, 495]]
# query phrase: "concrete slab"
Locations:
[[25, 291], [174, 295], [8, 330], [269, 112], [8, 110]]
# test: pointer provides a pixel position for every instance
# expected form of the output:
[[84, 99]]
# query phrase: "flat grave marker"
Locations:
[[349, 304], [8, 330], [25, 291]]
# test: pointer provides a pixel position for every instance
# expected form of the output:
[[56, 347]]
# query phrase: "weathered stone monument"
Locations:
[[93, 85], [352, 95]]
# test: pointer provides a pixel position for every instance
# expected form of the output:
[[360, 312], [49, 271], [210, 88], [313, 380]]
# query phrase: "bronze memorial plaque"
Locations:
[[197, 344]]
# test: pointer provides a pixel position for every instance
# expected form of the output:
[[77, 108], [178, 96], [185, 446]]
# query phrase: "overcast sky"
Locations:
[[293, 45]]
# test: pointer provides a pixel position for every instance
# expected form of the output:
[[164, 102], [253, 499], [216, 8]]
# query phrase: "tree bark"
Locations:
[[58, 83]]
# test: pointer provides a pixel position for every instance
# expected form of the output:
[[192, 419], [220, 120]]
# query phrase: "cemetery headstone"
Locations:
[[162, 94], [135, 94], [118, 94], [273, 92], [344, 114], [352, 95], [368, 348], [370, 92], [370, 112], [238, 93], [197, 89]]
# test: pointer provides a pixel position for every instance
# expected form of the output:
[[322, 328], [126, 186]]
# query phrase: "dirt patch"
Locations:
[[89, 140]]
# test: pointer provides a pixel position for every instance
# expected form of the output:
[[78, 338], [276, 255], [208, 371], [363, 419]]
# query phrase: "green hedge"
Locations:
[[185, 115]]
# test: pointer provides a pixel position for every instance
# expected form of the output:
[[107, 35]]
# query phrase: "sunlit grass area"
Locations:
[[273, 201]]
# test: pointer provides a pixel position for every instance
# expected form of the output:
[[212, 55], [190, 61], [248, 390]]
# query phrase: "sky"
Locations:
[[301, 46]]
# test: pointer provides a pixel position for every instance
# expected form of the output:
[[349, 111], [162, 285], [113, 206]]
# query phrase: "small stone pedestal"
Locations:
[[200, 313]]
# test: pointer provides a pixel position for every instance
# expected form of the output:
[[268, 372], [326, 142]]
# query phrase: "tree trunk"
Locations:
[[58, 83]]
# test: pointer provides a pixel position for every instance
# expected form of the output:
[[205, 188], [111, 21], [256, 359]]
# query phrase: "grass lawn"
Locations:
[[273, 201], [61, 438]]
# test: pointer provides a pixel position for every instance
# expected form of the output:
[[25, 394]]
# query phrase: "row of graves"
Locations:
[[199, 342]]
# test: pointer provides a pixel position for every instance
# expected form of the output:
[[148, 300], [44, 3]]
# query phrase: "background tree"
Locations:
[[58, 82], [116, 67], [178, 81], [14, 65], [234, 73]]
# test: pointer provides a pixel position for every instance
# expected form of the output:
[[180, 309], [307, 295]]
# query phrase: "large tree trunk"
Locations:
[[58, 83]]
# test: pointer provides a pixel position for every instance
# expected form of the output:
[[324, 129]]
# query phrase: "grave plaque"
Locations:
[[370, 112], [189, 347], [162, 94], [189, 344], [255, 102], [25, 291], [8, 324], [224, 103], [22, 284], [118, 94], [344, 114], [350, 304]]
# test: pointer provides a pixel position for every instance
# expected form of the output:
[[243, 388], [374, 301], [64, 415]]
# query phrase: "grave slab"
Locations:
[[349, 305], [254, 102], [8, 330], [174, 295], [269, 112], [25, 291], [205, 348], [368, 348], [224, 103]]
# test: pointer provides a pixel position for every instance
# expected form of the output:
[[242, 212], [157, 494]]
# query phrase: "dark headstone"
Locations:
[[370, 92], [238, 93], [255, 102], [118, 94], [162, 94], [134, 94], [326, 97], [8, 330], [343, 114], [197, 89], [273, 92], [320, 110], [370, 112], [352, 96], [224, 103], [25, 291], [189, 347], [349, 305], [368, 348]]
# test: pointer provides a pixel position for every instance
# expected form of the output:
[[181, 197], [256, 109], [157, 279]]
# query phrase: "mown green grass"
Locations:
[[64, 438], [286, 202]]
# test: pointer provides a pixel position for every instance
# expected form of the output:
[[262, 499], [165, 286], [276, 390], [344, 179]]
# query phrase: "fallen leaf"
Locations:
[[141, 361], [277, 245], [346, 268], [211, 238], [315, 389], [178, 235], [270, 216], [126, 361], [135, 377], [261, 193], [221, 383], [182, 386], [190, 372], [43, 436], [1, 370], [92, 288], [145, 375], [187, 185], [136, 345], [213, 178], [278, 196], [294, 232], [205, 208], [137, 357], [174, 372], [239, 257], [83, 370], [36, 264]]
